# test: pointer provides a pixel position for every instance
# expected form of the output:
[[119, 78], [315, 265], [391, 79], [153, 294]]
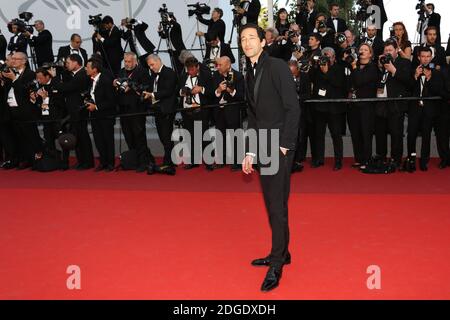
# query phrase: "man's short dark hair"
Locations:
[[424, 49], [95, 64], [211, 36], [259, 30], [107, 20], [321, 15], [44, 71], [316, 36], [389, 42], [191, 62], [431, 4], [333, 5], [219, 11], [73, 36], [429, 29], [75, 58]]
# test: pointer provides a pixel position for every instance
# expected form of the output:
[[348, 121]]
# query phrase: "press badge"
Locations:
[[322, 92]]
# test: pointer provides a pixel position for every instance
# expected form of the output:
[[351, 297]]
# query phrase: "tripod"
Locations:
[[202, 45], [165, 34]]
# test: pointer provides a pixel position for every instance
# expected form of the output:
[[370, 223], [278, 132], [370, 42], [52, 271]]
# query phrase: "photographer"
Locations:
[[282, 24], [230, 87], [42, 43], [196, 90], [329, 83], [216, 49], [52, 106], [133, 127], [107, 42], [303, 88], [162, 87], [293, 48], [173, 32], [3, 46], [423, 116], [306, 17], [248, 11], [327, 34], [73, 89], [373, 40], [73, 48], [102, 109], [22, 110], [361, 115], [18, 42], [401, 36], [135, 30], [434, 20], [6, 138], [272, 47], [396, 82], [215, 25], [439, 58]]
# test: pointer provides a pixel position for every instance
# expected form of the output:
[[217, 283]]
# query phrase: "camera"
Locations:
[[430, 66], [60, 64], [187, 92], [323, 60], [235, 3], [229, 79], [129, 22], [362, 14], [321, 25], [291, 34], [298, 48], [166, 21], [199, 9], [122, 84], [87, 99], [340, 38], [304, 65], [4, 67], [352, 55], [33, 86], [22, 26], [386, 59], [96, 21]]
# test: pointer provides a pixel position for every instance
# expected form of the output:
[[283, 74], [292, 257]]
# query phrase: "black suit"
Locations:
[[307, 21], [434, 20], [72, 89], [66, 51], [25, 134], [274, 50], [306, 128], [18, 43], [176, 37], [103, 119], [342, 25], [228, 117], [142, 39], [253, 11], [215, 27], [134, 127], [424, 118], [330, 85], [110, 49], [165, 84], [3, 46], [225, 51], [439, 58], [390, 116], [203, 115], [43, 45], [273, 105]]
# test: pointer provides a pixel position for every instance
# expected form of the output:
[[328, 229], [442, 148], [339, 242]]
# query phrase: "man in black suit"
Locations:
[[162, 93], [108, 43], [230, 87], [215, 25], [175, 42], [334, 22], [396, 82], [7, 143], [26, 134], [306, 18], [439, 57], [73, 89], [272, 46], [216, 48], [18, 42], [73, 48], [383, 17], [329, 83], [42, 43], [102, 111], [196, 89], [273, 106], [3, 46], [133, 127], [434, 20], [134, 35], [248, 11], [374, 41], [424, 115]]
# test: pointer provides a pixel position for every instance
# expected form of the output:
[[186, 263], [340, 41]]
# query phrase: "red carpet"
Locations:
[[193, 236]]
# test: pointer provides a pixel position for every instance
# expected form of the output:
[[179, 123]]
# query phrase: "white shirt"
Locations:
[[222, 100], [12, 101], [215, 52], [94, 86], [78, 52], [191, 82], [335, 23]]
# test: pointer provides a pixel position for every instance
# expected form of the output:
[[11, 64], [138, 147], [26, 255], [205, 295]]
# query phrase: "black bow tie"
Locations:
[[334, 19]]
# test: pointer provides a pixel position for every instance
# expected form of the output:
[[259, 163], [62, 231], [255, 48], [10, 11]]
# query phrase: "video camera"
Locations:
[[386, 59], [340, 39], [4, 67], [22, 23], [352, 55], [199, 9], [362, 14], [421, 10], [129, 23], [323, 60], [166, 20], [96, 21], [87, 99]]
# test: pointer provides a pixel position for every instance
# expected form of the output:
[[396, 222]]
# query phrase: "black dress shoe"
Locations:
[[151, 169], [317, 164], [100, 168], [167, 170], [443, 164], [109, 168], [297, 167], [266, 261], [64, 167], [337, 165], [141, 169], [24, 165], [191, 166], [423, 166], [272, 279]]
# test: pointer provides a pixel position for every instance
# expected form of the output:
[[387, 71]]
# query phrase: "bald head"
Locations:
[[223, 65]]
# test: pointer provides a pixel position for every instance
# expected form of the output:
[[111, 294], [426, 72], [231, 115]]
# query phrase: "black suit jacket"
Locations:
[[433, 88], [21, 44], [342, 25], [225, 51], [274, 50], [239, 85], [205, 81], [112, 46], [333, 82], [307, 25], [105, 98], [65, 51], [130, 102], [435, 21], [3, 46], [439, 57], [176, 36], [141, 37], [166, 90], [253, 11], [215, 27], [273, 100], [43, 45], [73, 89], [26, 109]]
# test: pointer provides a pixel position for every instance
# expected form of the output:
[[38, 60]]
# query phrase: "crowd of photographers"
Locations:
[[125, 82]]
